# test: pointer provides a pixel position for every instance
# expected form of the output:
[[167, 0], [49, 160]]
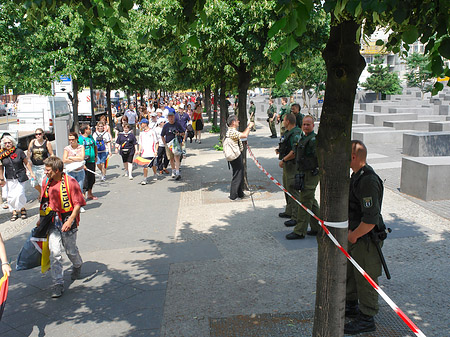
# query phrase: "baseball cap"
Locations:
[[171, 113], [153, 114], [144, 120]]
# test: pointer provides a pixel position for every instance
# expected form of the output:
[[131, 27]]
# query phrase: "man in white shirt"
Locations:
[[103, 141], [153, 120], [132, 117], [148, 148]]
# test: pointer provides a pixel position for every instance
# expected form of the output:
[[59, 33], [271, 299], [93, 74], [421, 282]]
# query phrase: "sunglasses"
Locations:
[[71, 140], [38, 134]]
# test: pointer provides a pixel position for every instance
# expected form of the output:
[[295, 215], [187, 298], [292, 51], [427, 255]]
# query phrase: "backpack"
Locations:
[[100, 142], [230, 149]]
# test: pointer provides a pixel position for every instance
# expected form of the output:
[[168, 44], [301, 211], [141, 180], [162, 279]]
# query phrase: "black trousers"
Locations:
[[237, 183], [162, 160], [89, 181]]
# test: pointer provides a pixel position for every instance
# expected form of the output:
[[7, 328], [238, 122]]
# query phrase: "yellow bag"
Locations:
[[193, 125], [45, 259]]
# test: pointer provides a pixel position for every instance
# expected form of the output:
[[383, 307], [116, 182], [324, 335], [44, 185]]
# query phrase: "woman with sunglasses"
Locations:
[[73, 158], [39, 150]]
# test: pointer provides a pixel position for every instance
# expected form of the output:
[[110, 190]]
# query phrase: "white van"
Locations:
[[36, 111]]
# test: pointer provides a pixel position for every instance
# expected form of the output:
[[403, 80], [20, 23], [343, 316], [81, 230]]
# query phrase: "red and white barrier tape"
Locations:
[[394, 307]]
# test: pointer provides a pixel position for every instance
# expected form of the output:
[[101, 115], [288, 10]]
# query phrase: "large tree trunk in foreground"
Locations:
[[344, 65]]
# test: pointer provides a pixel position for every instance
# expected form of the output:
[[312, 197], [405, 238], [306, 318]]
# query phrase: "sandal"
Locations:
[[5, 205], [14, 216], [23, 213]]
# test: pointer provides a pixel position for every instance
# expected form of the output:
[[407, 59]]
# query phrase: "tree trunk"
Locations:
[[216, 98], [244, 78], [208, 101], [223, 109], [344, 65], [76, 121], [108, 107]]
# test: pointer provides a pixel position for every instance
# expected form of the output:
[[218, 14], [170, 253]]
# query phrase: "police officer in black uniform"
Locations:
[[365, 220]]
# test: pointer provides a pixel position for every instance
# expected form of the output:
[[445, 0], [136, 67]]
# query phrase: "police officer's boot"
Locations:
[[351, 309], [361, 324]]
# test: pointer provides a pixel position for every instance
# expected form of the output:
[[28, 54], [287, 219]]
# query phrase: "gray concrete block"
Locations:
[[377, 137], [439, 126], [427, 178], [444, 110], [420, 125], [426, 144], [416, 110], [434, 118], [359, 117], [378, 119]]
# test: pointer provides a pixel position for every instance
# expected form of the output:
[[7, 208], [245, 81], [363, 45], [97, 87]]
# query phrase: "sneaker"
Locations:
[[178, 177], [76, 272], [199, 141], [155, 177], [58, 290], [103, 178], [125, 174], [173, 175], [82, 210], [130, 177], [144, 182]]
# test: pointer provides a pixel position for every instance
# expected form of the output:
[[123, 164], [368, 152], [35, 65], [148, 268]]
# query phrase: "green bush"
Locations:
[[215, 129]]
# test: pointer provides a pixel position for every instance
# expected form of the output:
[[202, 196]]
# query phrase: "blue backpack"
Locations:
[[100, 142]]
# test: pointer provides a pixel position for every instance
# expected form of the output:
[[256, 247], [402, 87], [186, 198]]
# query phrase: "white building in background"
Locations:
[[369, 50]]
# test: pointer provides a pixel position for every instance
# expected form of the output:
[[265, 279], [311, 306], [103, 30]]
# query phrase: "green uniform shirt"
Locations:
[[365, 199], [252, 109], [272, 110], [283, 111], [299, 119], [306, 152], [293, 140]]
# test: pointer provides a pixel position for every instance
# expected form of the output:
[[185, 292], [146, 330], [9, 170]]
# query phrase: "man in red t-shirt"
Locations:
[[63, 232]]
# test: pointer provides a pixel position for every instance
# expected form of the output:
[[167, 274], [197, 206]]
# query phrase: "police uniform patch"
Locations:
[[367, 202]]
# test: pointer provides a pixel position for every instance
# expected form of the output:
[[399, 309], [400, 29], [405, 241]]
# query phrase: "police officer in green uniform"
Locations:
[[252, 112], [286, 154], [295, 109], [306, 180], [283, 111], [365, 199], [271, 114]]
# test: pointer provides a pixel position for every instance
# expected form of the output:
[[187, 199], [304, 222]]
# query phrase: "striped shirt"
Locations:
[[235, 135]]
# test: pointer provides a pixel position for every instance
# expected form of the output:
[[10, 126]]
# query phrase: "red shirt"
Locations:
[[76, 196]]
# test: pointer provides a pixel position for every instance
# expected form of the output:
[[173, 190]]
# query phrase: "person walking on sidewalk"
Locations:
[[197, 122], [286, 154], [39, 150], [237, 182], [126, 144], [252, 112], [271, 116], [365, 220], [73, 158], [103, 141], [148, 148], [306, 181], [6, 267], [90, 151], [170, 131], [61, 200]]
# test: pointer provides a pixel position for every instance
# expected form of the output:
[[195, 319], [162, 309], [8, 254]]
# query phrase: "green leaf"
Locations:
[[291, 44], [444, 48], [276, 56], [292, 23], [171, 19], [379, 43], [410, 35], [276, 27], [186, 59], [282, 75], [127, 4], [437, 65], [194, 42], [400, 15], [438, 86]]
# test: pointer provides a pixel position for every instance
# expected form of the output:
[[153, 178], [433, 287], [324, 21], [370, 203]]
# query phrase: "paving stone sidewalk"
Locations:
[[177, 258]]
